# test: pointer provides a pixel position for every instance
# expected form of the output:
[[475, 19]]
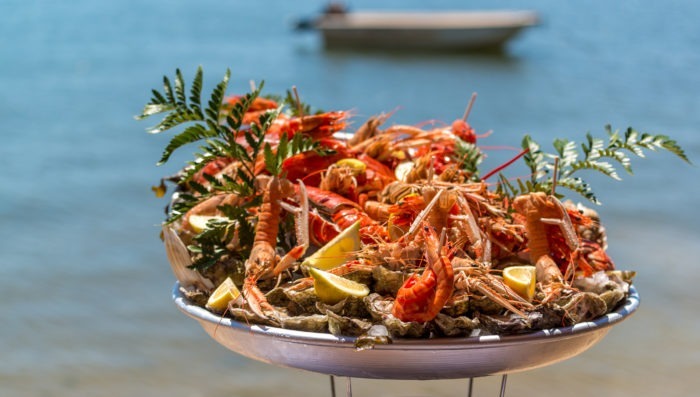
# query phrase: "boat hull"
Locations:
[[424, 31]]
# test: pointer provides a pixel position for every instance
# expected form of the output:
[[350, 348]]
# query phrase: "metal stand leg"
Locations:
[[348, 386], [503, 385], [332, 385]]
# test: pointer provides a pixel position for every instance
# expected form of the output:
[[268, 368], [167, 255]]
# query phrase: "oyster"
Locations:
[[584, 306], [455, 326], [313, 323], [387, 282], [378, 306], [612, 287], [342, 325], [457, 306], [401, 329], [351, 307], [376, 335]]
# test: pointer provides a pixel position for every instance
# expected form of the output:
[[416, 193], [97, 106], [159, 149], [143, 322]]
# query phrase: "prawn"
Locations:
[[264, 261], [422, 297], [535, 207]]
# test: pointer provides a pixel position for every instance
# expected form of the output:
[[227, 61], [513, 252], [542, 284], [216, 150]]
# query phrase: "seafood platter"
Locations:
[[385, 250]]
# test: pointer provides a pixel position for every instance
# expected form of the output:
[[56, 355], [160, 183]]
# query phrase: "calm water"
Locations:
[[85, 284]]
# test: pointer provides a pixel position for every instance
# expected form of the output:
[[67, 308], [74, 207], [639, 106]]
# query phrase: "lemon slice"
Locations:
[[222, 295], [521, 279], [357, 166], [332, 289], [199, 222], [336, 251]]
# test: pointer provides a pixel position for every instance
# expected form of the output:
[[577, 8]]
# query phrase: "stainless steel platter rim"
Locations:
[[293, 336]]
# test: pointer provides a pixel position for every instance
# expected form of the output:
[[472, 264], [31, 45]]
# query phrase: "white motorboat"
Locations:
[[428, 30]]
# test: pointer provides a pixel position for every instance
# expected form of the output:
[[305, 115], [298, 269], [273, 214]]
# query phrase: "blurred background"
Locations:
[[85, 285]]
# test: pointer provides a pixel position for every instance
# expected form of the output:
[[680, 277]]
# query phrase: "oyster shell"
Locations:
[[180, 262], [351, 307], [377, 334], [387, 282], [457, 306], [312, 323], [378, 306], [455, 326], [302, 302], [400, 329], [584, 306], [380, 311], [341, 325]]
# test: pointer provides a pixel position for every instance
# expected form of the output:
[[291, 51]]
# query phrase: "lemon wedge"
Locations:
[[199, 222], [332, 289], [357, 166], [336, 251], [222, 295], [521, 279]]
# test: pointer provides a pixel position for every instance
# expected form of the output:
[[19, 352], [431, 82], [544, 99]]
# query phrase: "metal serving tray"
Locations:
[[438, 358]]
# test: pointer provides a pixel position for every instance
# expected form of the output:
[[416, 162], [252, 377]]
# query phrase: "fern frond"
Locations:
[[235, 117], [213, 110], [635, 142], [534, 159], [592, 157], [579, 186], [191, 134], [603, 167], [196, 93], [272, 163], [193, 167], [180, 207], [176, 118], [468, 156], [618, 156], [168, 89], [296, 108], [180, 89], [568, 154], [153, 109], [506, 189]]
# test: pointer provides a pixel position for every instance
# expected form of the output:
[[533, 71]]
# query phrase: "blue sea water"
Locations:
[[84, 281]]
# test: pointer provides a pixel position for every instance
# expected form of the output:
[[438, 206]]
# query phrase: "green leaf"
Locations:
[[283, 148], [618, 156], [600, 166], [272, 165], [168, 89], [176, 118], [579, 186], [295, 106], [567, 153], [534, 159], [180, 89], [592, 155], [216, 99], [196, 93], [189, 135], [468, 156], [154, 108], [198, 188]]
